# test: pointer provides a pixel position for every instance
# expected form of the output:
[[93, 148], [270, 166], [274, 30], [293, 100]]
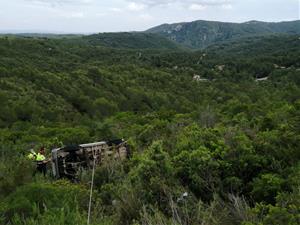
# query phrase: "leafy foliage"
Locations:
[[219, 149]]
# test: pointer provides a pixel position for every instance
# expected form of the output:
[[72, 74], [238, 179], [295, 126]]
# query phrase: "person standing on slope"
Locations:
[[32, 155], [41, 161]]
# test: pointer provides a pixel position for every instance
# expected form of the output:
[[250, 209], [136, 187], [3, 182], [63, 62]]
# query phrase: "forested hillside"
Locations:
[[212, 142], [121, 40], [200, 34], [133, 40]]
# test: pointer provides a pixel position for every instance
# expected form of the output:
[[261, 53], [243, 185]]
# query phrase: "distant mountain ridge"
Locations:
[[120, 40], [132, 40], [200, 34]]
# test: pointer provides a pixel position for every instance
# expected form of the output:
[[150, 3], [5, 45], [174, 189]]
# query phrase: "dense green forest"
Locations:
[[202, 123]]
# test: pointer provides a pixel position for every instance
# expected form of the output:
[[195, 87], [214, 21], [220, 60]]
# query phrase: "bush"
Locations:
[[266, 187], [32, 200]]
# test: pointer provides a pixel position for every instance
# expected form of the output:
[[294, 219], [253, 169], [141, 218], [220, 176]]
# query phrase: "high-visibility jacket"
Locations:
[[31, 156], [40, 157]]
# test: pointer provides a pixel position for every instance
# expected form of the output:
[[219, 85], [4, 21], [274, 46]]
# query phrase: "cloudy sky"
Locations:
[[87, 16]]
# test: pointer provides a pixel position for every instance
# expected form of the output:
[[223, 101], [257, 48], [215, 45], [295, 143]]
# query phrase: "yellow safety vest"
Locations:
[[40, 157], [31, 156]]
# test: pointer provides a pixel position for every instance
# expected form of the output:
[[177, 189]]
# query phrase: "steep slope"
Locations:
[[56, 80], [225, 136], [200, 34]]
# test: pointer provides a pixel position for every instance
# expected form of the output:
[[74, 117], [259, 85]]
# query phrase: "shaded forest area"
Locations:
[[198, 122]]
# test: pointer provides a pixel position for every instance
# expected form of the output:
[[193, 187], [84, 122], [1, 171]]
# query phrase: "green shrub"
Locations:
[[266, 187], [33, 199]]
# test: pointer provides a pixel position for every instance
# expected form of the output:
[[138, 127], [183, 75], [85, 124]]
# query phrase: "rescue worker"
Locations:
[[32, 155], [41, 161]]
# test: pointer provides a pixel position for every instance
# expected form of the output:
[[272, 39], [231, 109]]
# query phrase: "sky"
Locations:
[[94, 16]]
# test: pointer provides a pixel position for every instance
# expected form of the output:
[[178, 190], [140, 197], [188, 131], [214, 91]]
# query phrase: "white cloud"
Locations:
[[227, 6], [116, 9], [133, 6], [73, 15], [76, 15], [62, 1], [54, 3], [153, 3], [197, 7], [193, 5], [146, 17], [101, 14]]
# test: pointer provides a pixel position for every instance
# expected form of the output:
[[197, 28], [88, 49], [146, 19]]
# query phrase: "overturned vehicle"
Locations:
[[70, 161]]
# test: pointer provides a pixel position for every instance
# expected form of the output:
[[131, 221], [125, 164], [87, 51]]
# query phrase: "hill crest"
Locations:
[[200, 34]]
